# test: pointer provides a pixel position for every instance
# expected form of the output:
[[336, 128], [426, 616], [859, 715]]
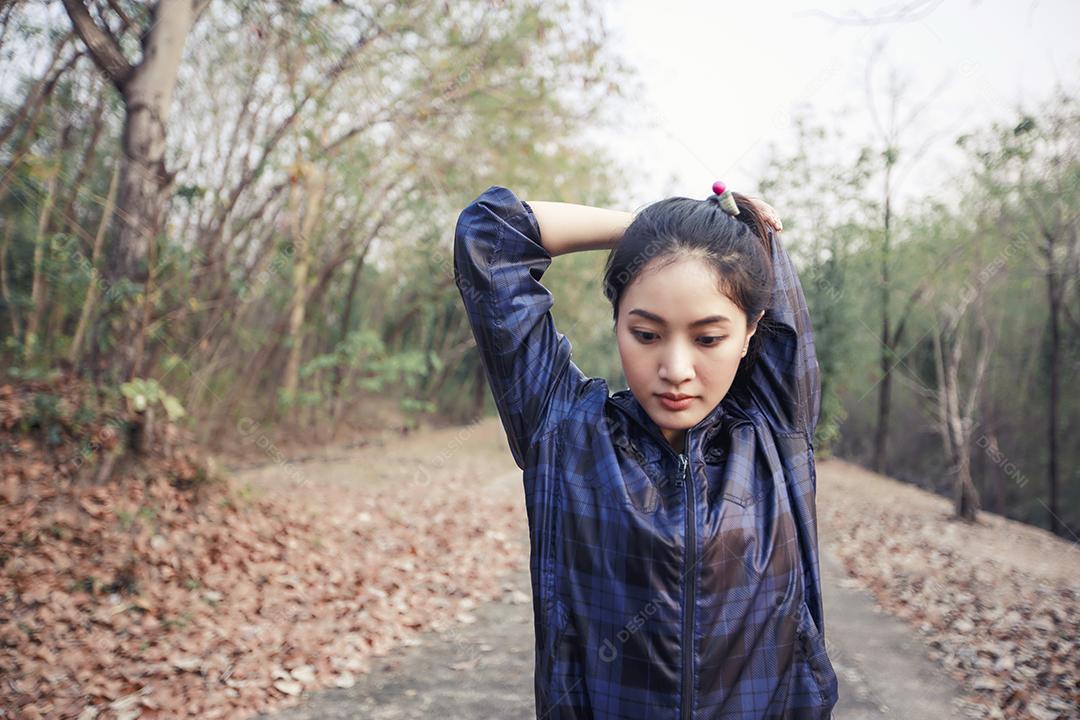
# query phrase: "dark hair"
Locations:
[[737, 247]]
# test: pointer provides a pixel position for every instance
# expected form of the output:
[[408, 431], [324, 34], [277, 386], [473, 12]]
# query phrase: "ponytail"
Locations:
[[751, 217]]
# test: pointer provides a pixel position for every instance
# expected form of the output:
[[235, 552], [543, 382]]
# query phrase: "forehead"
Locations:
[[680, 292]]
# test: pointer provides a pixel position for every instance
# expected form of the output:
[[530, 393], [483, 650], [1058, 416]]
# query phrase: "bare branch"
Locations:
[[103, 48]]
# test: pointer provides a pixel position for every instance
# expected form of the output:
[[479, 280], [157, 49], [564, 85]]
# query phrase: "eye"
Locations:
[[639, 334], [648, 337]]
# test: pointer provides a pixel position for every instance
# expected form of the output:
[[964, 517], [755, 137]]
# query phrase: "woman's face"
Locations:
[[665, 349]]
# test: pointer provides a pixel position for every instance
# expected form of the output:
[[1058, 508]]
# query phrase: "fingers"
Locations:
[[769, 214]]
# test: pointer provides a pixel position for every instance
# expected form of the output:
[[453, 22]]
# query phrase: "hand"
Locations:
[[768, 213]]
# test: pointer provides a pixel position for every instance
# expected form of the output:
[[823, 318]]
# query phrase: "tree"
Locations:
[[956, 406], [890, 136], [1033, 168], [146, 183]]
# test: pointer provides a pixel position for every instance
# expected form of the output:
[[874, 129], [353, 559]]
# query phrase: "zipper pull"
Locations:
[[682, 470]]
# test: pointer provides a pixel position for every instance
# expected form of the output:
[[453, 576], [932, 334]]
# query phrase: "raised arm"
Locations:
[[499, 260], [785, 381], [566, 228]]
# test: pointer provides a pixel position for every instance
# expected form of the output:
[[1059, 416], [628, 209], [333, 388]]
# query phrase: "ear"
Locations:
[[754, 325]]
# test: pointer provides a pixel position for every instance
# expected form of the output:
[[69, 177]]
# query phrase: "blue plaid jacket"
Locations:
[[665, 585]]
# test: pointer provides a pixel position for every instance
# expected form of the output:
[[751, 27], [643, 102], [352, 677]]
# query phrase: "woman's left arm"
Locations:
[[785, 381]]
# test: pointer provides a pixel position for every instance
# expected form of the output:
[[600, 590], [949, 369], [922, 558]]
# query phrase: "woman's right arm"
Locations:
[[502, 247], [567, 228]]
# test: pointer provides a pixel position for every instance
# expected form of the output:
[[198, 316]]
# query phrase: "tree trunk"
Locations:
[[302, 227], [965, 497], [338, 405], [881, 435], [1054, 301], [5, 289], [145, 183], [92, 272], [42, 253], [955, 416]]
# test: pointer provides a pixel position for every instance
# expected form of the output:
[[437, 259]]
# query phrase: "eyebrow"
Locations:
[[656, 318]]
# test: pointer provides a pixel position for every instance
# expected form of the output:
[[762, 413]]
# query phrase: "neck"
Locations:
[[677, 439]]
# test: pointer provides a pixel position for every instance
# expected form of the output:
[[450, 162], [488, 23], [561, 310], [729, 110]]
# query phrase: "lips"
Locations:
[[683, 402]]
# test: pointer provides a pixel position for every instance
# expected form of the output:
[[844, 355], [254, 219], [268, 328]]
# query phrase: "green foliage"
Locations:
[[45, 415], [190, 192], [482, 89], [829, 234], [145, 392], [362, 354]]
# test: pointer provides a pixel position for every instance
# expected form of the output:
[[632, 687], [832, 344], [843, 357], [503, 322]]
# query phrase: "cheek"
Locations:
[[638, 365], [723, 363], [633, 359]]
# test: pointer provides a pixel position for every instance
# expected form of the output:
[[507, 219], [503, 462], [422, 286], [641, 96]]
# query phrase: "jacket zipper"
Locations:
[[688, 586], [688, 575]]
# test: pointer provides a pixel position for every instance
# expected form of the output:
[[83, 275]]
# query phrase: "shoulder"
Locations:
[[582, 407], [575, 416], [501, 203]]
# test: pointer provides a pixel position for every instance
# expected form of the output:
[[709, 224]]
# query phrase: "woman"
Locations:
[[674, 555]]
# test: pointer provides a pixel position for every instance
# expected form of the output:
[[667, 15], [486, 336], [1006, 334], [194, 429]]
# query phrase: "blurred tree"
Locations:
[[146, 88]]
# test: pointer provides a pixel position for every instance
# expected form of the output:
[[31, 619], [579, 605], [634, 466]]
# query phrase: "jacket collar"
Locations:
[[727, 413]]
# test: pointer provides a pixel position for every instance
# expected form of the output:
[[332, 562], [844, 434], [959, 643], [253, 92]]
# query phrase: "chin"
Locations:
[[676, 421]]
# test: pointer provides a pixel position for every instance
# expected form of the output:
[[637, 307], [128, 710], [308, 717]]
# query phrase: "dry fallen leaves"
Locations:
[[1011, 637], [134, 599]]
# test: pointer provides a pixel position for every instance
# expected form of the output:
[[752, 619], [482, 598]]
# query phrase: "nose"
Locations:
[[677, 364]]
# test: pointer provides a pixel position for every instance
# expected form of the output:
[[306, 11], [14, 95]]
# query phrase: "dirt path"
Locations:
[[882, 668], [483, 669], [995, 605]]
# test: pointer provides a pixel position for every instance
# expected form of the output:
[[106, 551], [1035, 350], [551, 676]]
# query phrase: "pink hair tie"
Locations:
[[724, 198]]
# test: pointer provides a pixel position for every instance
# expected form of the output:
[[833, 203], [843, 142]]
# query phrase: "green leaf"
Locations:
[[173, 407]]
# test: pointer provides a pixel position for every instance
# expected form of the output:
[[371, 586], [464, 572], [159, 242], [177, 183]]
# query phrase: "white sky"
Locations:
[[721, 80]]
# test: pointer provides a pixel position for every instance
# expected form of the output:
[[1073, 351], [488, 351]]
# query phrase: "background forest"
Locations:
[[218, 212], [238, 458]]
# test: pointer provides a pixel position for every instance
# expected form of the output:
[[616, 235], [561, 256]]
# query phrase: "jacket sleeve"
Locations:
[[785, 380], [498, 263]]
